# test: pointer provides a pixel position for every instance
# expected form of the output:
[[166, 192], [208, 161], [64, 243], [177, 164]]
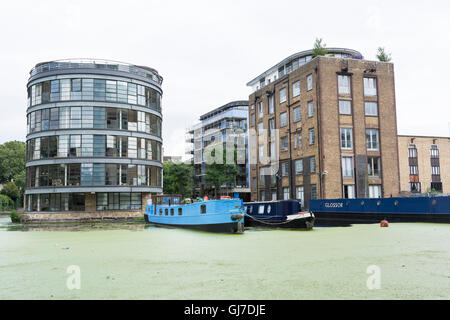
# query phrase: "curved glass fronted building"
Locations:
[[93, 136]]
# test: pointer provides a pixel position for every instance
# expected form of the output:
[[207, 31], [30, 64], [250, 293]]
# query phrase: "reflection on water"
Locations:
[[5, 223]]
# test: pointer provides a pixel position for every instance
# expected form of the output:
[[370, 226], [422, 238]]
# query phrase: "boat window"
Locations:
[[160, 212], [203, 208], [180, 211], [269, 208], [261, 209], [251, 208], [166, 212], [171, 211]]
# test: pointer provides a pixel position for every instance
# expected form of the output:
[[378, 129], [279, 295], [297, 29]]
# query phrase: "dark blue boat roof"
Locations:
[[273, 208], [400, 205]]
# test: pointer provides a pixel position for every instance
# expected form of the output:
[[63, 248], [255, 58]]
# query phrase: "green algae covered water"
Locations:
[[135, 261]]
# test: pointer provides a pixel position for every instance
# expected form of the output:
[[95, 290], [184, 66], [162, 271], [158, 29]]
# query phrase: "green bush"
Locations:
[[6, 203], [15, 216]]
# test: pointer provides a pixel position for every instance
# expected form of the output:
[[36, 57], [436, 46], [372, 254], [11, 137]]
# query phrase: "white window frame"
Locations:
[[286, 193], [350, 191], [283, 96], [371, 108], [310, 109], [309, 82], [370, 87], [283, 119], [369, 139], [300, 194], [375, 191], [344, 84], [347, 142], [260, 109], [298, 164], [271, 104], [347, 167], [311, 136], [297, 115], [296, 89], [345, 107]]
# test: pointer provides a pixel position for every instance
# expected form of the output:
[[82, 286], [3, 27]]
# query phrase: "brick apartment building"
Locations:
[[336, 117], [424, 164]]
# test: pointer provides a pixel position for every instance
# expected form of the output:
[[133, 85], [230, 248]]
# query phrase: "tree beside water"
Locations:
[[12, 174]]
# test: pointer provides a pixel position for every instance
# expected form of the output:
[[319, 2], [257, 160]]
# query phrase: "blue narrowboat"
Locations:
[[373, 210], [226, 216], [278, 214]]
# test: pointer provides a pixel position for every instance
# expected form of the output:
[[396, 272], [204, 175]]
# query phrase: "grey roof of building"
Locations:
[[224, 107], [300, 54]]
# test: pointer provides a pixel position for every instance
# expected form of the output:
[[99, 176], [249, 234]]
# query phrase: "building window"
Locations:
[[282, 95], [348, 191], [312, 164], [252, 119], [412, 151], [313, 192], [274, 195], [286, 195], [296, 89], [262, 195], [271, 127], [297, 114], [374, 166], [435, 170], [299, 140], [434, 151], [372, 139], [413, 169], [346, 138], [311, 136], [414, 187], [284, 144], [299, 166], [76, 85], [370, 87], [371, 108], [309, 82], [347, 167], [375, 191], [271, 104], [283, 119], [260, 128], [345, 107], [285, 169], [310, 109], [300, 195], [436, 186], [261, 153], [343, 84], [260, 110], [118, 201]]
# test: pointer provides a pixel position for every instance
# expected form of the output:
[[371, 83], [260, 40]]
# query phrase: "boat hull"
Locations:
[[349, 218], [299, 223], [363, 210], [230, 227]]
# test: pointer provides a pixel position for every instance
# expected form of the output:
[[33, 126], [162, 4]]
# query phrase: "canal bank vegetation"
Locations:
[[12, 175], [15, 216]]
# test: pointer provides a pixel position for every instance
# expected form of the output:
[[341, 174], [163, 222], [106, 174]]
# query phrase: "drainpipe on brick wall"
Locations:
[[291, 176], [319, 125]]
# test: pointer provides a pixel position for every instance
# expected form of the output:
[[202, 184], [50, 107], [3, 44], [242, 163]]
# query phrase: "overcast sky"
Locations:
[[208, 50]]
